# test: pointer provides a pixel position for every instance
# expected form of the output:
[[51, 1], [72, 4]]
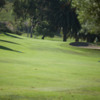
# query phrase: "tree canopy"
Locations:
[[72, 16], [2, 3], [61, 14], [89, 14]]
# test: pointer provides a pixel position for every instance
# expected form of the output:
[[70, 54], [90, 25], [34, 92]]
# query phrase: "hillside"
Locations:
[[33, 69]]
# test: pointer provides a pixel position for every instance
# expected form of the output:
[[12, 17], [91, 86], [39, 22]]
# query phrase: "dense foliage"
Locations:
[[57, 13], [2, 3], [89, 14], [74, 18]]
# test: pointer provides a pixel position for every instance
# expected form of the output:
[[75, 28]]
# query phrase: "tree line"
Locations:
[[76, 19]]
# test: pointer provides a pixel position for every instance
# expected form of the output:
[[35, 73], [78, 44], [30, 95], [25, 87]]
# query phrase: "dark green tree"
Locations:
[[2, 3], [61, 14], [26, 9], [57, 13], [89, 17]]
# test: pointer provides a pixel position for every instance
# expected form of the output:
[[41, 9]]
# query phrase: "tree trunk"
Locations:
[[77, 39], [28, 31], [31, 32], [88, 37], [91, 38], [31, 21], [64, 34], [43, 36], [64, 38], [27, 34]]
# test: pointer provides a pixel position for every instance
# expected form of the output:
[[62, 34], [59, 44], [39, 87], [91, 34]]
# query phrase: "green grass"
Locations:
[[35, 69]]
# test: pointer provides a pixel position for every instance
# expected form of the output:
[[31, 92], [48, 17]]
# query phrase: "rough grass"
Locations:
[[34, 69]]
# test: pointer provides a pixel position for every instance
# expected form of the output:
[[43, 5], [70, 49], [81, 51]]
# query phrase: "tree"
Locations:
[[76, 26], [2, 3], [44, 28], [57, 13], [26, 9], [89, 15], [60, 14]]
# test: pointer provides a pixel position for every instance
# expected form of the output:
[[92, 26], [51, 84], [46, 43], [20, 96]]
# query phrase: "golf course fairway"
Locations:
[[36, 69]]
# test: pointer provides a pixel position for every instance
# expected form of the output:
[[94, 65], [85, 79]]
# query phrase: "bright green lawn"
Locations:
[[34, 69]]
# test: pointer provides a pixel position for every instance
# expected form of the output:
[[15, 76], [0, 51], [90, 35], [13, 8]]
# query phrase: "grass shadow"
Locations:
[[6, 48], [12, 36], [9, 42], [18, 97], [79, 44]]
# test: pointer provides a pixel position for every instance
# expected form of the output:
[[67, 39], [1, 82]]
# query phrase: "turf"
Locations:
[[35, 69]]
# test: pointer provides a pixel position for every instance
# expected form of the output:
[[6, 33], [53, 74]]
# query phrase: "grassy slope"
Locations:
[[33, 69]]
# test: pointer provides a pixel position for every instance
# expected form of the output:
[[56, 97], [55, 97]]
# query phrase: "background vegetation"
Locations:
[[73, 18]]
